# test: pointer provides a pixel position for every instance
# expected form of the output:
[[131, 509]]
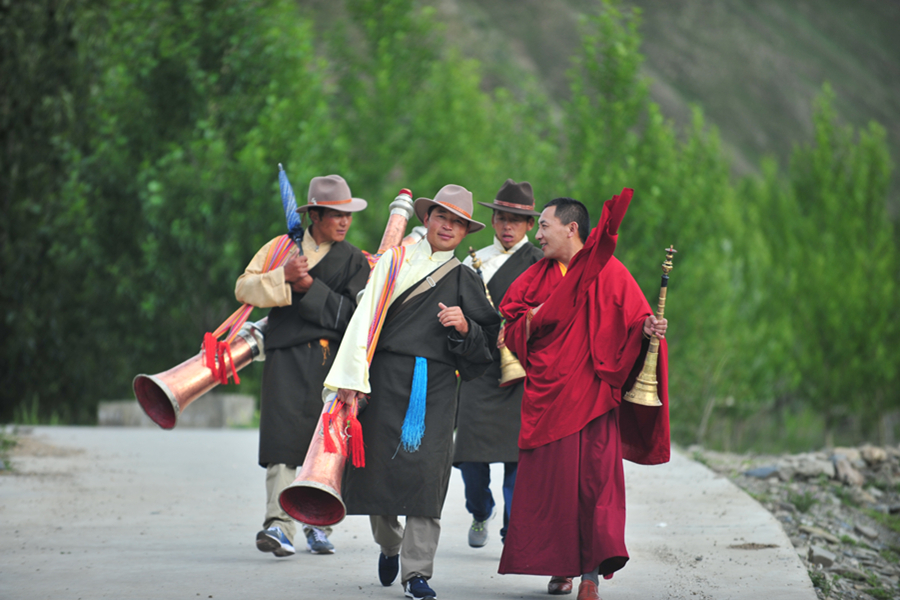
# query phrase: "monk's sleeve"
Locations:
[[644, 429], [332, 309], [262, 289], [616, 316], [473, 352], [514, 310]]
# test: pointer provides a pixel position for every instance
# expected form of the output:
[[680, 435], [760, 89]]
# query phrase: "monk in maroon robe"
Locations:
[[581, 326]]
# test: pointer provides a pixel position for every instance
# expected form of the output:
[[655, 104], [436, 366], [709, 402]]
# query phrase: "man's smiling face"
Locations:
[[445, 229]]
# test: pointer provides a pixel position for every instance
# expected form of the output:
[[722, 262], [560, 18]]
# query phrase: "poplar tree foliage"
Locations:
[[413, 114], [41, 94], [833, 274], [150, 180], [618, 138], [139, 176]]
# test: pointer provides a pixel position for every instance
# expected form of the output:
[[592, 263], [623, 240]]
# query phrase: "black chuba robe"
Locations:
[[394, 480], [489, 416], [296, 359]]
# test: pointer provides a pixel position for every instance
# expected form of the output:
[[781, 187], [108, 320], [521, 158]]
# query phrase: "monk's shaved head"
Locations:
[[569, 210]]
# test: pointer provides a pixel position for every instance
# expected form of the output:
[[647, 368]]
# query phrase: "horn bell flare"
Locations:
[[645, 390], [314, 498]]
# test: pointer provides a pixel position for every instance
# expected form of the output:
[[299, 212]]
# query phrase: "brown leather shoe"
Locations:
[[559, 586], [587, 590]]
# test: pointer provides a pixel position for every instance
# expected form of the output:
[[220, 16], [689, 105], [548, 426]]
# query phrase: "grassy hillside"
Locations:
[[754, 66]]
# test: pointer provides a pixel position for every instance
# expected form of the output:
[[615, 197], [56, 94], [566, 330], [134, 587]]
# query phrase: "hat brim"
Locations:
[[421, 206], [516, 211], [355, 205]]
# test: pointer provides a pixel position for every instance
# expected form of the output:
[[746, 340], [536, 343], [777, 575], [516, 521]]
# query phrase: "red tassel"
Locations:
[[209, 352], [327, 421], [214, 353], [225, 349], [357, 449]]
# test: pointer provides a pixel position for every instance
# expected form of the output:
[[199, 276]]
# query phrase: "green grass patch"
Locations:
[[761, 498], [884, 485], [820, 582], [698, 457], [877, 590], [892, 522], [30, 414], [803, 501], [845, 496], [7, 443], [892, 554]]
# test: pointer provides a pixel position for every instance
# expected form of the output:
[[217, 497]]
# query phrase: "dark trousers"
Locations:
[[479, 500]]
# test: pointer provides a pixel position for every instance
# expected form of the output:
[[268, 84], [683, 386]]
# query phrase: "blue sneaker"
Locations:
[[317, 542], [273, 540], [417, 589], [388, 568]]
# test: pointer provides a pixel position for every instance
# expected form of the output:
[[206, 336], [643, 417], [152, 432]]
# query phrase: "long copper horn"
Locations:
[[414, 236], [401, 211], [314, 498], [165, 395]]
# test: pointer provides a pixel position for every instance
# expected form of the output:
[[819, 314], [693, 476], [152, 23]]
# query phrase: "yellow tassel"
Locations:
[[325, 350]]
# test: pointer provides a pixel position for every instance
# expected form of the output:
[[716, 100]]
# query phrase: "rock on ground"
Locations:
[[840, 509]]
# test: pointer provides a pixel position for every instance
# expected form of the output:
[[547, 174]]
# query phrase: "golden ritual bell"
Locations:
[[645, 391], [511, 370]]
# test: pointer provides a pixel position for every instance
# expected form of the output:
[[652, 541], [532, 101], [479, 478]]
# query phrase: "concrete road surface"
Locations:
[[140, 513]]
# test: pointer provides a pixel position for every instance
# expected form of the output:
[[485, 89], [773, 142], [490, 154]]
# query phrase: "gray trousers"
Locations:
[[279, 477], [416, 543]]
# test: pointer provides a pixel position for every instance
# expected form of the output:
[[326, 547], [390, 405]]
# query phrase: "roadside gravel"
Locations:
[[840, 508]]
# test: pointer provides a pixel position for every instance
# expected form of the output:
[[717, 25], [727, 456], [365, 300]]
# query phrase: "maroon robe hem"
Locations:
[[580, 524]]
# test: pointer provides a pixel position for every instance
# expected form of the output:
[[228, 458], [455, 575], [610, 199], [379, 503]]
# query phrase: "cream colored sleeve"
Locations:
[[350, 370], [259, 289]]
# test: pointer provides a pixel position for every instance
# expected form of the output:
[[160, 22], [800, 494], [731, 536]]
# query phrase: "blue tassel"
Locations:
[[414, 423]]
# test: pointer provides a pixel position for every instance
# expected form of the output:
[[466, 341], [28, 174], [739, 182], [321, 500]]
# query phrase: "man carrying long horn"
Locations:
[[312, 296], [435, 322]]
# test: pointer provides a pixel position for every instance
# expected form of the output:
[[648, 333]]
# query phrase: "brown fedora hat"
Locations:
[[454, 198], [514, 198], [331, 191]]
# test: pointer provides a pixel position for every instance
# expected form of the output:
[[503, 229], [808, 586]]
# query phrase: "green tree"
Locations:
[[170, 182], [617, 137], [40, 103], [414, 114], [835, 262]]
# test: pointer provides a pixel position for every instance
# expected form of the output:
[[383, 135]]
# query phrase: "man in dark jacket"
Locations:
[[489, 415], [312, 296], [438, 322]]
